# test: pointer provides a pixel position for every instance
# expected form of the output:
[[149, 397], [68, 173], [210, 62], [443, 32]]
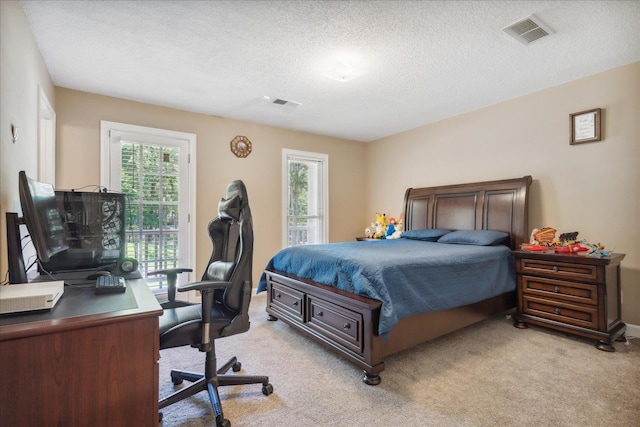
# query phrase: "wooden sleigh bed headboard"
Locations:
[[492, 205]]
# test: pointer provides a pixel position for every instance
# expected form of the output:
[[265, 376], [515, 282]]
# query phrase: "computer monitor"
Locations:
[[41, 216]]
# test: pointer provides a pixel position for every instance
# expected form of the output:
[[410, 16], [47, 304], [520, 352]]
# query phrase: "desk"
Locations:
[[79, 365]]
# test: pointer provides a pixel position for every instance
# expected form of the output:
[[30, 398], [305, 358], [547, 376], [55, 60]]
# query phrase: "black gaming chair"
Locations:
[[224, 311]]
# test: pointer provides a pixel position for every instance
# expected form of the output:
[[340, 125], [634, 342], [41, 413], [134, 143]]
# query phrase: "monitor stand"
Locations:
[[17, 270]]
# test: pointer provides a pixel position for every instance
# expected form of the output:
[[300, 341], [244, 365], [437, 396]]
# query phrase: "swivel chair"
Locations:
[[224, 310]]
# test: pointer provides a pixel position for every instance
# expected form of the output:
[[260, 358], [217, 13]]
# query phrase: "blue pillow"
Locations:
[[428, 235], [476, 237]]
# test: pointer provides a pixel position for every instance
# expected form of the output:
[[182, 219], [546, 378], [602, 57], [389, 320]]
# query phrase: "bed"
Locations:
[[363, 321]]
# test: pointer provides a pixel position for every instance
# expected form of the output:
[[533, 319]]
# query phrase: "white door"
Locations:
[[152, 168]]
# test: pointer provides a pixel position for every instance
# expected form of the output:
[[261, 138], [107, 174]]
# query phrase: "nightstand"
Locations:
[[572, 293]]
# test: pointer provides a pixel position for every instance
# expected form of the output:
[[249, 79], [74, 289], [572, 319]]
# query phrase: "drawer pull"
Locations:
[[557, 310], [556, 289], [295, 303], [347, 326], [555, 268], [278, 295], [320, 313]]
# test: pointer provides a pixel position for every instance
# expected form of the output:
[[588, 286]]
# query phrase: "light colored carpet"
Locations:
[[489, 374]]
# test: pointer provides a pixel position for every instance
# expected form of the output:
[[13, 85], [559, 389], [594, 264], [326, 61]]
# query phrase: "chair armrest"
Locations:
[[204, 285], [168, 271], [172, 279], [207, 290]]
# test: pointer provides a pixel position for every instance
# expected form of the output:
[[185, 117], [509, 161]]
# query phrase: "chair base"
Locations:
[[201, 383]]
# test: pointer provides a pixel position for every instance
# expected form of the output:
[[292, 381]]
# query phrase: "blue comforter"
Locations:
[[408, 276]]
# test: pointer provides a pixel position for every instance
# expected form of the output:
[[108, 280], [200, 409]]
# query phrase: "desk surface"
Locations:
[[81, 306]]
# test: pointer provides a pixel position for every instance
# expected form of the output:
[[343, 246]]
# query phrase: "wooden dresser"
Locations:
[[572, 293]]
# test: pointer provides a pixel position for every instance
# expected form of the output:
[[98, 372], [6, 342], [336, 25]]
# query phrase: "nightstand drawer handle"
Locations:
[[555, 268], [347, 326], [320, 314], [556, 311], [556, 289]]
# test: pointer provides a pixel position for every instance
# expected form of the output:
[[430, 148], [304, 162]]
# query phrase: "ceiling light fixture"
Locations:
[[342, 72]]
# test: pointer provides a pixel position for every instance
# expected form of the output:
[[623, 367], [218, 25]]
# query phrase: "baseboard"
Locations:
[[633, 331]]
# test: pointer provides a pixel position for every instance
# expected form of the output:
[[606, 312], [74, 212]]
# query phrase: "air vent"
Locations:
[[286, 103], [528, 30]]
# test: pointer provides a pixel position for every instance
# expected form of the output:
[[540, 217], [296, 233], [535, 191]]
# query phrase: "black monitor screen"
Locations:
[[41, 215]]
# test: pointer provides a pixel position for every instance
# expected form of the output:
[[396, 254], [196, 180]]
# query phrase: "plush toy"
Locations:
[[370, 231], [394, 228], [381, 226], [391, 227]]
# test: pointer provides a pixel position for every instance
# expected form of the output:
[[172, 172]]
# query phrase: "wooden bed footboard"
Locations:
[[347, 323]]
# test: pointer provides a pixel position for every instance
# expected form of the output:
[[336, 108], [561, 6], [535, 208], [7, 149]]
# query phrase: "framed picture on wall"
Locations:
[[585, 126]]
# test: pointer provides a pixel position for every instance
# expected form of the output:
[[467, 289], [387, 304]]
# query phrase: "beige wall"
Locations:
[[78, 127], [22, 73], [593, 188]]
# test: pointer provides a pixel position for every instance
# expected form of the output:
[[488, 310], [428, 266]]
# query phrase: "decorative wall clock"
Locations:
[[241, 146]]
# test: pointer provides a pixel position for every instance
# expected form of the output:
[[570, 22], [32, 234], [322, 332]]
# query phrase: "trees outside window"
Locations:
[[305, 197]]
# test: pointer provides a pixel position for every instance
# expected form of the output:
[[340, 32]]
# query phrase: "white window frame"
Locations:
[[304, 155], [110, 152]]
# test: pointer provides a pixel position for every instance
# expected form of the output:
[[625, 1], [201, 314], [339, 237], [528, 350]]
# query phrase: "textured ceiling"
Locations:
[[420, 61]]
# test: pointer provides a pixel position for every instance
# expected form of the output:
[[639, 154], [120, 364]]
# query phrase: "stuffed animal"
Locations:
[[370, 231], [391, 227], [394, 229], [381, 226]]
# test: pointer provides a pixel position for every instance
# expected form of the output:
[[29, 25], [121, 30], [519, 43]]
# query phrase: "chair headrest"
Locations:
[[230, 208]]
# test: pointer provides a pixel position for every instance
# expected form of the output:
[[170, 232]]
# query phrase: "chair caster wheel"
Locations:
[[267, 389], [159, 417], [225, 423], [176, 379], [236, 367]]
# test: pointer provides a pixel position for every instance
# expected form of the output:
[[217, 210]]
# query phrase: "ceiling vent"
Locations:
[[527, 30], [290, 104]]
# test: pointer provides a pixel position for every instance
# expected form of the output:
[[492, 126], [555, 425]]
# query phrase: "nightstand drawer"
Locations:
[[286, 300], [559, 270], [582, 293], [561, 311], [343, 326]]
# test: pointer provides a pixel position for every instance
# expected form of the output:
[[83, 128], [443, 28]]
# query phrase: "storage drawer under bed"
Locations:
[[335, 322], [286, 300]]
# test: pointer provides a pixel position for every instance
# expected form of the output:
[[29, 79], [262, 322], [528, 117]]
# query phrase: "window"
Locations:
[[305, 195], [152, 168]]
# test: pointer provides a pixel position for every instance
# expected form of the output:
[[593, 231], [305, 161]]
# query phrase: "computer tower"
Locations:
[[94, 224]]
